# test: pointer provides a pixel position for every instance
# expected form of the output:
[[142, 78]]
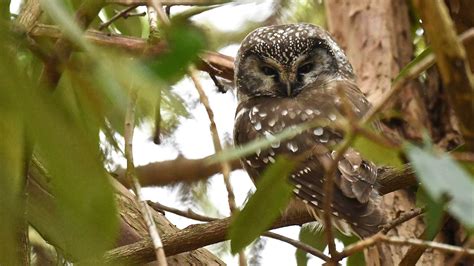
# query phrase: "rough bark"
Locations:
[[451, 62], [376, 38], [462, 13]]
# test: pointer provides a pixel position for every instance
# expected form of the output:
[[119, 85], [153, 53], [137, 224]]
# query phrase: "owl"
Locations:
[[287, 75]]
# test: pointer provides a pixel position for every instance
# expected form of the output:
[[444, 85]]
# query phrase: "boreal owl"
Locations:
[[287, 75]]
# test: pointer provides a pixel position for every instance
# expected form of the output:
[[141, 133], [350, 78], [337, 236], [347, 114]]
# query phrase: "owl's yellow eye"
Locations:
[[268, 71], [305, 68]]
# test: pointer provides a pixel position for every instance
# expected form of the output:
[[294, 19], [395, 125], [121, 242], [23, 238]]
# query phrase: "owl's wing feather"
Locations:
[[354, 197], [361, 218]]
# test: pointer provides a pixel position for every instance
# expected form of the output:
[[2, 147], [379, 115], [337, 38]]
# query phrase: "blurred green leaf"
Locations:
[[356, 259], [313, 237], [185, 41], [469, 167], [377, 153], [272, 195], [405, 70], [69, 149], [12, 156], [66, 141], [261, 143], [434, 212], [443, 178], [5, 10], [58, 12]]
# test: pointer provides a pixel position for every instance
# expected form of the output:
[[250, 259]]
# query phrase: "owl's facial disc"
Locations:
[[286, 60], [266, 76]]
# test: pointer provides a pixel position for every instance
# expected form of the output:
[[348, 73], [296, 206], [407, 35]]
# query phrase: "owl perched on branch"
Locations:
[[287, 75]]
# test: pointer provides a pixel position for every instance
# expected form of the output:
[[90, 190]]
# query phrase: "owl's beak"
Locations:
[[289, 84], [288, 88]]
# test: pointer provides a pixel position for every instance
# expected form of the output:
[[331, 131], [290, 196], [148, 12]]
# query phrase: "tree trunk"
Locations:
[[376, 37]]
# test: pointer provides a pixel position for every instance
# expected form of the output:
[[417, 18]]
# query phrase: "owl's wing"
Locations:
[[354, 196]]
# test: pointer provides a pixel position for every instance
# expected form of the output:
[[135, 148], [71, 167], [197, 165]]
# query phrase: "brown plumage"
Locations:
[[297, 80]]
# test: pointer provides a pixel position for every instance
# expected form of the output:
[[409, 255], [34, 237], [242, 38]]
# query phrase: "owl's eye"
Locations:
[[305, 68], [268, 71]]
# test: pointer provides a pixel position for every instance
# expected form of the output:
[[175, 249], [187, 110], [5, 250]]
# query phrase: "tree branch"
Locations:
[[192, 215], [212, 62], [452, 63], [41, 214], [297, 244], [365, 243], [190, 238], [121, 14], [63, 48], [169, 2]]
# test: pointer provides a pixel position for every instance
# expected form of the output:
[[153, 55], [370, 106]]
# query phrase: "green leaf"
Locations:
[[443, 178], [67, 144], [261, 143], [185, 41], [272, 195], [5, 10], [356, 259], [377, 153], [13, 160], [313, 237], [434, 213], [405, 70], [69, 149]]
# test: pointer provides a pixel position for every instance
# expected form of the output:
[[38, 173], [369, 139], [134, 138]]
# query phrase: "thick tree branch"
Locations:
[[63, 47], [212, 62], [192, 215], [177, 170], [190, 238], [452, 63]]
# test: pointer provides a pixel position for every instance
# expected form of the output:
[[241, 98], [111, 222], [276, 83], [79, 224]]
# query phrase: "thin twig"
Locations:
[[298, 244], [192, 215], [380, 237], [328, 192], [359, 246], [219, 85], [188, 214], [401, 219], [131, 176], [427, 244], [153, 37], [156, 4], [456, 258], [218, 148], [215, 137], [122, 13], [161, 13]]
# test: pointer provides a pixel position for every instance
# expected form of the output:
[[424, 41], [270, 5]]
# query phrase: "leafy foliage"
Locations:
[[377, 153], [272, 195], [444, 180], [185, 42], [64, 128], [355, 259], [313, 237]]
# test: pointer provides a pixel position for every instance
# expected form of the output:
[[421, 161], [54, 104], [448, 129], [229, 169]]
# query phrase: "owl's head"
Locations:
[[281, 61]]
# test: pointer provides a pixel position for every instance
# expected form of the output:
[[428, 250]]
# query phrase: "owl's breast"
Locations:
[[266, 118]]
